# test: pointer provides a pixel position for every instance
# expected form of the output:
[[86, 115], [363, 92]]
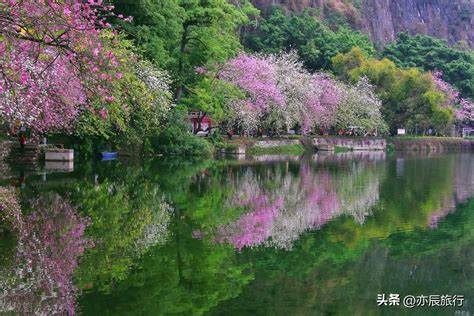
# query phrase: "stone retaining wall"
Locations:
[[241, 148], [433, 144], [329, 143], [425, 144], [276, 143]]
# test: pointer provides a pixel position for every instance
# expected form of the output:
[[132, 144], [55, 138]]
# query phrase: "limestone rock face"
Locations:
[[452, 20]]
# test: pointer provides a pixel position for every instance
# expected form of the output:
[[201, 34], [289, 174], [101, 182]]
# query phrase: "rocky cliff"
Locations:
[[452, 20]]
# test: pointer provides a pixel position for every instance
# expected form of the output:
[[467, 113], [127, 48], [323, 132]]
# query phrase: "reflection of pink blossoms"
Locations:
[[252, 228], [321, 198], [280, 216], [448, 205], [50, 241]]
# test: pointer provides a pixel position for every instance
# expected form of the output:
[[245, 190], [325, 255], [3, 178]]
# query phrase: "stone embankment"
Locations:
[[299, 145], [331, 143], [432, 144], [312, 144]]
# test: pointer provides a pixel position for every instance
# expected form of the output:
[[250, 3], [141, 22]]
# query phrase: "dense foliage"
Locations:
[[138, 104], [315, 42], [360, 106], [181, 35], [90, 70], [431, 54], [410, 98], [175, 139]]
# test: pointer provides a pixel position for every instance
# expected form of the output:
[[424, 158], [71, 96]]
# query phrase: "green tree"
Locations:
[[139, 103], [315, 42], [410, 98], [429, 54], [184, 34]]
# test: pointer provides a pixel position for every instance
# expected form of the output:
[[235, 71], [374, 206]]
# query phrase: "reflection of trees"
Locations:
[[327, 273], [49, 243], [463, 189], [279, 202], [281, 205], [183, 275], [340, 269], [127, 219], [427, 189], [186, 276], [464, 177]]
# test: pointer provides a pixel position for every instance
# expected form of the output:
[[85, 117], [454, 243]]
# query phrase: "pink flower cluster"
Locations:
[[52, 59], [279, 89], [257, 77], [463, 109], [323, 102]]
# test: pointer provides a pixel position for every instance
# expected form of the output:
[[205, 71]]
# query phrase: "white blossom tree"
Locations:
[[360, 107]]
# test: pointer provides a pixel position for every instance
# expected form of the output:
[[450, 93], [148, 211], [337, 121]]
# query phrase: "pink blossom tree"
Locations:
[[257, 78], [280, 93], [463, 108], [310, 99], [323, 102], [51, 60]]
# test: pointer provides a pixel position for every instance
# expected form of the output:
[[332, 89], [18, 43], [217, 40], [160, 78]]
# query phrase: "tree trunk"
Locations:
[[201, 116], [182, 50]]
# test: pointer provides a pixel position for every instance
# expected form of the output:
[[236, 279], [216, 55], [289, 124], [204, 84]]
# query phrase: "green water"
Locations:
[[275, 235]]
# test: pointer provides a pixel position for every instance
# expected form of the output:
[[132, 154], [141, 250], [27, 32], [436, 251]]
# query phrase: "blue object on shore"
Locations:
[[107, 155]]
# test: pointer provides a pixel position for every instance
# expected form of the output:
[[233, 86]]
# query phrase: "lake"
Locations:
[[327, 234]]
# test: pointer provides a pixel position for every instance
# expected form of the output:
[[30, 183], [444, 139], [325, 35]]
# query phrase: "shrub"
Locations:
[[176, 139]]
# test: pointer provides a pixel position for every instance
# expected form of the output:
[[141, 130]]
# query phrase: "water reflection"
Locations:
[[129, 216], [280, 205], [49, 242], [273, 235]]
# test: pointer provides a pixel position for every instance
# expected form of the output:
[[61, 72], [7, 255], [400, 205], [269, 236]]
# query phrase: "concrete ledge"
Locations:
[[59, 166], [59, 154], [329, 143], [276, 143], [432, 144]]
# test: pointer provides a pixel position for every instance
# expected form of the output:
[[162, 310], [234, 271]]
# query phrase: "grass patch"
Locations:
[[338, 149], [296, 149], [227, 147]]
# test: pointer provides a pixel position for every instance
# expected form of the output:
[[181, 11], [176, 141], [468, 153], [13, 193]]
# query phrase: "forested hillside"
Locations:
[[384, 19]]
